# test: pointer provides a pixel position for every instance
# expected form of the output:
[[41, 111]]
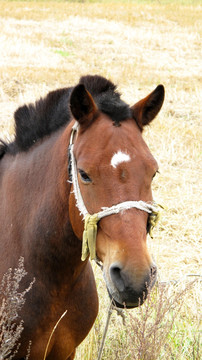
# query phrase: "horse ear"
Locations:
[[82, 105], [145, 110]]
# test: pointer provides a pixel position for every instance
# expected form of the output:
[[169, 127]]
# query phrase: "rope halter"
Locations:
[[91, 220]]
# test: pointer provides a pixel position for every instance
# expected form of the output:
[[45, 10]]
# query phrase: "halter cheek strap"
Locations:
[[90, 221]]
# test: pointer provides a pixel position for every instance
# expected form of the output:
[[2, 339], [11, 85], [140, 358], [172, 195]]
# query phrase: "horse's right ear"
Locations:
[[82, 105]]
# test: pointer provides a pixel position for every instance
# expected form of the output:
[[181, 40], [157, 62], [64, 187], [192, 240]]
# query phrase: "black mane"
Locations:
[[107, 97], [34, 121], [3, 148]]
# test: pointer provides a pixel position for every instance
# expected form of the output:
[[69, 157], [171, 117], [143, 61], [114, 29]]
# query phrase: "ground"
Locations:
[[138, 45]]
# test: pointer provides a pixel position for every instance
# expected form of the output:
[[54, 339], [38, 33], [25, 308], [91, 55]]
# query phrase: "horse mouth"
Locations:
[[130, 300]]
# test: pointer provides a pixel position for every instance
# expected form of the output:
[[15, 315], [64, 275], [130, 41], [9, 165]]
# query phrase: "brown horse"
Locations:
[[40, 219]]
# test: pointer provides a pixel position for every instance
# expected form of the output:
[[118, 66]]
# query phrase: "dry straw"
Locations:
[[52, 332], [11, 302]]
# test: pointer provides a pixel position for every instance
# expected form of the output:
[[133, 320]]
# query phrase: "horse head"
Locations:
[[114, 165]]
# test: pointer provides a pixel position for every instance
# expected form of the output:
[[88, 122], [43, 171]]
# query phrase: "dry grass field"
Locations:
[[45, 45]]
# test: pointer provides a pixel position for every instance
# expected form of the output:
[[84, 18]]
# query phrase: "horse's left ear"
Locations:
[[82, 105], [145, 110]]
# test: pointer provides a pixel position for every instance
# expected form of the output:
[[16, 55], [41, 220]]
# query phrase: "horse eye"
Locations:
[[157, 172], [84, 177]]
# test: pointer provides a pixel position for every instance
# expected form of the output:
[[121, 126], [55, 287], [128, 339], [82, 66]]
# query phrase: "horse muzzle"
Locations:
[[124, 291]]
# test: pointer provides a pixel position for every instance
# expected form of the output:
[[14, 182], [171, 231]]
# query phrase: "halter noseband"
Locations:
[[90, 221]]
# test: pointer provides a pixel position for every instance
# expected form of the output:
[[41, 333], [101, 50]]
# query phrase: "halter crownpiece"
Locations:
[[90, 221]]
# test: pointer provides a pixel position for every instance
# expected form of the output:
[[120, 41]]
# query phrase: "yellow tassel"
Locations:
[[154, 218], [89, 237]]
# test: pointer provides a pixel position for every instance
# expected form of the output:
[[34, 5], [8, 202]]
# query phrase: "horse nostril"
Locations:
[[153, 270], [115, 273]]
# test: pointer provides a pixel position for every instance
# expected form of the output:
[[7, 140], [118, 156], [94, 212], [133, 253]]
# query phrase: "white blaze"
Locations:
[[119, 157]]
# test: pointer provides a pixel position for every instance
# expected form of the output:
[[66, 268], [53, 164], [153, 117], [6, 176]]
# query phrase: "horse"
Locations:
[[87, 137]]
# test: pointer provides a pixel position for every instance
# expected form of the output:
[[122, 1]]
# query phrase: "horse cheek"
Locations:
[[75, 217]]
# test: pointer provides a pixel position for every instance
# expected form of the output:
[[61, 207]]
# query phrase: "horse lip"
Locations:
[[126, 304]]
